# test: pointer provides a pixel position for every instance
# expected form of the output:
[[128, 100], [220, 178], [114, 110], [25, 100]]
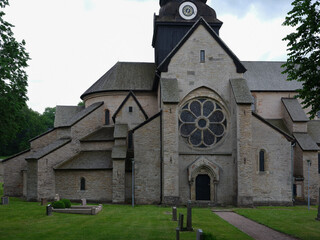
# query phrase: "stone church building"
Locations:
[[197, 124]]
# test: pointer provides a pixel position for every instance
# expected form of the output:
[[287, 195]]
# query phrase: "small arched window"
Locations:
[[107, 117], [82, 184], [261, 161]]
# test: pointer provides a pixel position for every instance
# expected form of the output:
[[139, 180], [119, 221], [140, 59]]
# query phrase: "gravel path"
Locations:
[[253, 229]]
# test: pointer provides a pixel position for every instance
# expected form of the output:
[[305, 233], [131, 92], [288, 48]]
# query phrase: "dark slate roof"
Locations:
[[169, 90], [314, 130], [65, 113], [103, 134], [80, 115], [131, 94], [169, 12], [87, 160], [275, 127], [120, 131], [279, 123], [48, 149], [163, 67], [295, 110], [306, 142], [267, 76], [125, 76], [241, 91], [15, 155]]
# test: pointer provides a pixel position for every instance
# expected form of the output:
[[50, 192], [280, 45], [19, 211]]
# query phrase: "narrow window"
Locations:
[[83, 184], [202, 56], [261, 161], [107, 117], [130, 109]]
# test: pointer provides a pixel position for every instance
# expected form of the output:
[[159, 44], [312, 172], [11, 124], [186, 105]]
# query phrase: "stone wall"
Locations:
[[147, 163], [314, 176], [44, 140], [98, 185], [293, 126], [274, 185], [269, 105], [112, 101], [13, 176]]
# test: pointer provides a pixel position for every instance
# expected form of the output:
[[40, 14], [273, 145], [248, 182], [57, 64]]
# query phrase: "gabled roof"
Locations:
[[80, 115], [87, 160], [267, 76], [48, 149], [163, 67], [125, 76], [65, 113], [294, 109], [241, 91], [306, 142], [15, 155], [131, 94]]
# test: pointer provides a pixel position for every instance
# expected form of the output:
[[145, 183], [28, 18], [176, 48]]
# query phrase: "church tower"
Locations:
[[175, 19]]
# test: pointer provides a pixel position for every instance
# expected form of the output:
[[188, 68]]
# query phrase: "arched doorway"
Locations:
[[203, 187]]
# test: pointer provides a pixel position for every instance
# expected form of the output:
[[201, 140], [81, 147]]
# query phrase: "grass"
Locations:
[[297, 221], [27, 220]]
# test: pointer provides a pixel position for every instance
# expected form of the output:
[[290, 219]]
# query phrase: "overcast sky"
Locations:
[[74, 42]]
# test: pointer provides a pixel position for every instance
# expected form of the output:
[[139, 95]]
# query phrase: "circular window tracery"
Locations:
[[202, 122]]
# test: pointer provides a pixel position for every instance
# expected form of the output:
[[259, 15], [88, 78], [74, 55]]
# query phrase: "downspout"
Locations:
[[161, 159], [293, 144], [132, 197]]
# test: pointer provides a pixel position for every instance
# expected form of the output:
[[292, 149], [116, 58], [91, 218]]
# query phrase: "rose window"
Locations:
[[202, 122]]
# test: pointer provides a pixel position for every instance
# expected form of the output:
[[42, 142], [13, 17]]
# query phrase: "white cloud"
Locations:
[[72, 43]]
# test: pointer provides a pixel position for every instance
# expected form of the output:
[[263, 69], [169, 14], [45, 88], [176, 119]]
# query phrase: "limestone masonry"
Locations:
[[197, 124]]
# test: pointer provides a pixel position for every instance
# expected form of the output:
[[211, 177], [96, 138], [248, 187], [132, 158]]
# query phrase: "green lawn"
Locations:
[[296, 221], [27, 220]]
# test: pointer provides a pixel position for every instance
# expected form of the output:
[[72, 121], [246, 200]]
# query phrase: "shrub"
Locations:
[[58, 204], [67, 203], [208, 236]]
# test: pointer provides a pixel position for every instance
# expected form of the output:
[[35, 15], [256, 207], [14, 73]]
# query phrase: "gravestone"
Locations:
[[57, 197], [318, 216], [189, 217], [44, 201], [177, 233], [83, 201], [174, 214], [5, 200], [199, 234], [49, 210], [180, 223]]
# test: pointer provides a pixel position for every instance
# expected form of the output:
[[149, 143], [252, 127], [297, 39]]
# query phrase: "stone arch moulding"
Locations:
[[204, 166], [203, 91]]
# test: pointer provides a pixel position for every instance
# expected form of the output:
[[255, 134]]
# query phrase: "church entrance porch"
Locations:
[[203, 179]]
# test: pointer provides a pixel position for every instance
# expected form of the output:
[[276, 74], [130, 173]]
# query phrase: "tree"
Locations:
[[13, 79], [303, 63]]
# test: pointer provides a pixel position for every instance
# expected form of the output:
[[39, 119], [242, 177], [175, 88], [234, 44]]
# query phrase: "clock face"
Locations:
[[188, 10]]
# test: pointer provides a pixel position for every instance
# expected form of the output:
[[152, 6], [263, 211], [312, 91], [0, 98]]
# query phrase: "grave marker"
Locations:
[[83, 201], [57, 197], [5, 200], [180, 223], [177, 233], [44, 201], [49, 210], [199, 234], [189, 217], [174, 214], [318, 216]]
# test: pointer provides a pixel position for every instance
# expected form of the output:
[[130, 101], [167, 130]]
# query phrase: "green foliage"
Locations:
[[1, 189], [58, 204], [30, 124], [303, 63], [81, 103], [13, 78], [66, 202], [208, 236]]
